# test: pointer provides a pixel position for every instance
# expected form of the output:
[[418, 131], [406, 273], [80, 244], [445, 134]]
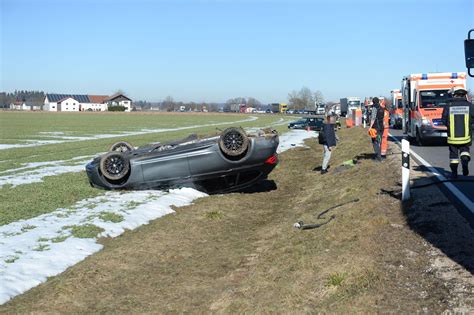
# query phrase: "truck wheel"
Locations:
[[233, 141], [121, 146], [114, 165]]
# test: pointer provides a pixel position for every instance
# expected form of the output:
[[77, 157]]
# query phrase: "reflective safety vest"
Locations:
[[459, 123]]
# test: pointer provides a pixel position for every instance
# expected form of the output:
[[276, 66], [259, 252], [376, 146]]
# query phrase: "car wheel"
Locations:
[[121, 146], [114, 165], [233, 142], [419, 140]]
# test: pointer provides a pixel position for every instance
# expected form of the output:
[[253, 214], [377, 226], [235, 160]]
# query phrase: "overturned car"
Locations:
[[233, 161]]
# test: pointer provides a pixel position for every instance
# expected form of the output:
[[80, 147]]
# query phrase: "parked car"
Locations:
[[299, 124], [314, 123], [230, 162]]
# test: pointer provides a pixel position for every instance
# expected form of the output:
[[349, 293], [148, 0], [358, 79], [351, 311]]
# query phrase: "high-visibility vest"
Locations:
[[459, 123]]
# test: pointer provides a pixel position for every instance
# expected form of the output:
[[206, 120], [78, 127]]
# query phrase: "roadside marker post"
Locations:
[[405, 170]]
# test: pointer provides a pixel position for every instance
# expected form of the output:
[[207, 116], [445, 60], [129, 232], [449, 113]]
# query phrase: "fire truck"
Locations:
[[396, 112], [423, 97]]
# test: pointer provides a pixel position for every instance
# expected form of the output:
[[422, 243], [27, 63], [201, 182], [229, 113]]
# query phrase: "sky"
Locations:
[[211, 51]]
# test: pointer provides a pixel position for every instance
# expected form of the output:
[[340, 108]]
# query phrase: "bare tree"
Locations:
[[169, 104], [318, 97], [252, 102], [302, 99]]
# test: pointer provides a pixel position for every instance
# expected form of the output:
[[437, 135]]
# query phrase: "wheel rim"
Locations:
[[233, 141], [114, 165], [122, 148]]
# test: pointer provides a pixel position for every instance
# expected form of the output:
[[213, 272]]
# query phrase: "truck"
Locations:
[[348, 104], [396, 112], [423, 97], [279, 108], [320, 109]]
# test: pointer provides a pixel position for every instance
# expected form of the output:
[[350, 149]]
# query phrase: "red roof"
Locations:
[[98, 98]]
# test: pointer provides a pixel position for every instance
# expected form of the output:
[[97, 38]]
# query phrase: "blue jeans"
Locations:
[[377, 142]]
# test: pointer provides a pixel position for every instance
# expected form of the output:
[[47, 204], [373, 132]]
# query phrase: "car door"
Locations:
[[169, 165]]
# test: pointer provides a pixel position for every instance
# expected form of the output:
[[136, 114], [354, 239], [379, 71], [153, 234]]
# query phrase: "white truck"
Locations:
[[320, 109], [348, 104]]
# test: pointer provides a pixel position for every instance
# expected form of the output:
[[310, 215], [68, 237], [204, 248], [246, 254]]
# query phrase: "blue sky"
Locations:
[[215, 50]]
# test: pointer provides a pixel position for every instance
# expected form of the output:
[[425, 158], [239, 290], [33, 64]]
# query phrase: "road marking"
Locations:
[[454, 190]]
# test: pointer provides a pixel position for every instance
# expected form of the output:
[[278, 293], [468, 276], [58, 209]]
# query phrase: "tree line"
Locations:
[[33, 97], [302, 99]]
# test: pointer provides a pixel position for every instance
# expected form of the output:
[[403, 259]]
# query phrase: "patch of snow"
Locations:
[[63, 139], [295, 138], [36, 171], [28, 254]]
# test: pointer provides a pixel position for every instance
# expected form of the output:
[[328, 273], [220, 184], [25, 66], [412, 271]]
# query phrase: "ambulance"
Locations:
[[423, 97], [396, 112]]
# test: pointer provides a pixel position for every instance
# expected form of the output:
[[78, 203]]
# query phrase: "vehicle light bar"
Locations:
[[272, 160], [454, 75], [424, 76]]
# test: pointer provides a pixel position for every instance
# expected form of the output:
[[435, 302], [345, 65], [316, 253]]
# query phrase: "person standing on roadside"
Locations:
[[458, 117], [386, 125], [376, 122], [327, 137]]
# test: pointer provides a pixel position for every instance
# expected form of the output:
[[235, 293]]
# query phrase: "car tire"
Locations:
[[114, 166], [419, 140], [233, 142], [121, 146]]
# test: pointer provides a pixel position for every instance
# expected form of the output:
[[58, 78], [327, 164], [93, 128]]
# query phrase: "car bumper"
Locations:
[[433, 133]]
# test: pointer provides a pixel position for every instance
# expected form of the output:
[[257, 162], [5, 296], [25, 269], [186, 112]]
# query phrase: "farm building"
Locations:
[[81, 102], [22, 105]]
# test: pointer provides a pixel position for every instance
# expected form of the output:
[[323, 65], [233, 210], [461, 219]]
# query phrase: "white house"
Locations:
[[77, 102], [29, 105], [68, 104], [120, 100], [97, 103], [18, 105]]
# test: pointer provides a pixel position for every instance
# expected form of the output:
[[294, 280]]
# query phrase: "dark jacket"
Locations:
[[462, 120], [377, 117], [328, 135]]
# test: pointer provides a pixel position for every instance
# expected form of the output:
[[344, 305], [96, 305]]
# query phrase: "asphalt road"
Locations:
[[436, 155]]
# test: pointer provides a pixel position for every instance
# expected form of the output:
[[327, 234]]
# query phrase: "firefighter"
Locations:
[[376, 127], [458, 115]]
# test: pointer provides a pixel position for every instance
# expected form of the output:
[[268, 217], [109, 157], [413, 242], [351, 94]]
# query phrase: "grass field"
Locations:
[[232, 253], [239, 253], [66, 189]]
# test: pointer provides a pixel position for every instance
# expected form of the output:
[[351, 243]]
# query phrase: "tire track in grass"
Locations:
[[33, 250]]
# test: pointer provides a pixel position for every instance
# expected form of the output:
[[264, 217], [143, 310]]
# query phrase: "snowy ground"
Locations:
[[33, 250], [36, 171], [59, 137]]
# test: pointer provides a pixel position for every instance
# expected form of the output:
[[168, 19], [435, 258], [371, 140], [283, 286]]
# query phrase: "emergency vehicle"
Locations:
[[423, 97], [396, 112]]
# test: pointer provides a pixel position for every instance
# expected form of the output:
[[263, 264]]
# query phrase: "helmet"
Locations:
[[372, 133], [457, 90]]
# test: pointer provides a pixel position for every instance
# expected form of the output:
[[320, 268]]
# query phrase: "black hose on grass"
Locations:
[[300, 224]]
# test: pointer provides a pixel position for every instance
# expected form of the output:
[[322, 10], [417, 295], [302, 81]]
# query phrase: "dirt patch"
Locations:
[[239, 253]]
